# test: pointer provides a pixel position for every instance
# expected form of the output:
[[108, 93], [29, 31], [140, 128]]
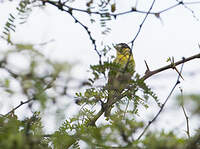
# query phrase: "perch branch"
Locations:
[[150, 73]]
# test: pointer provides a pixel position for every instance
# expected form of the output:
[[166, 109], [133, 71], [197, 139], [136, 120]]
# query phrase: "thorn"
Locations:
[[178, 72], [174, 67], [181, 2], [133, 9], [146, 67]]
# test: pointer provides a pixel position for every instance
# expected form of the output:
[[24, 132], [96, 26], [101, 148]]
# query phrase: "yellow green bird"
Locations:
[[119, 75]]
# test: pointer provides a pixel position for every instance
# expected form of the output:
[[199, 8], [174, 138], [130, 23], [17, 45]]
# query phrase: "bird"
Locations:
[[119, 75]]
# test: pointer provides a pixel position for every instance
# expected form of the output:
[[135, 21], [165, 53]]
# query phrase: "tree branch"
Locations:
[[186, 117], [49, 85], [69, 10], [184, 5], [187, 122], [140, 27], [150, 73], [133, 10], [161, 108], [146, 76], [63, 7], [21, 103]]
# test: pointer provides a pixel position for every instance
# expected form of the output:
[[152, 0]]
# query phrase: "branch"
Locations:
[[186, 117], [140, 27], [92, 121], [69, 10], [161, 108], [150, 73], [146, 76], [184, 4], [63, 7], [133, 10], [49, 85], [21, 103], [187, 122]]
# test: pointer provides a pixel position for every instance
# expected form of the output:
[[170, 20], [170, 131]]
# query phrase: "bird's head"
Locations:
[[122, 48]]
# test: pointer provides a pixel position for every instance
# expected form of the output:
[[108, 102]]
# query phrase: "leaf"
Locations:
[[168, 59]]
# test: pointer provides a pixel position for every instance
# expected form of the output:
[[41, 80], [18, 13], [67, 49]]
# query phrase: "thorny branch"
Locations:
[[153, 72], [163, 105]]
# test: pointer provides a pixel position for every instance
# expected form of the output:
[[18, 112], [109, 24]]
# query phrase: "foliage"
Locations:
[[23, 11], [33, 83], [22, 133], [137, 93], [162, 140]]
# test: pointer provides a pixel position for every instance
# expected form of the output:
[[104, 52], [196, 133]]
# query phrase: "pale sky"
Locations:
[[176, 34]]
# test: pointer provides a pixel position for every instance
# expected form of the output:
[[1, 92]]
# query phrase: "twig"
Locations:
[[161, 108], [60, 6], [125, 12], [186, 117], [21, 103], [63, 7], [140, 27], [187, 122], [29, 100], [184, 5], [173, 6]]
